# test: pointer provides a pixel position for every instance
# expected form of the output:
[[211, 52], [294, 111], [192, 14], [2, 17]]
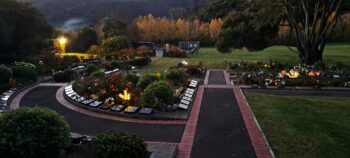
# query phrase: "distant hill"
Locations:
[[64, 13]]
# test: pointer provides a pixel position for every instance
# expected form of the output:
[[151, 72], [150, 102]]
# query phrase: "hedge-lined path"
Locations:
[[84, 124]]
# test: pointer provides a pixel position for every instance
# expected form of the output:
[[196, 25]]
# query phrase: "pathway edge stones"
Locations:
[[257, 137], [186, 143]]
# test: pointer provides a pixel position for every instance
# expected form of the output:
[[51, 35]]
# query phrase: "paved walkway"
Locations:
[[220, 130], [221, 123], [85, 124]]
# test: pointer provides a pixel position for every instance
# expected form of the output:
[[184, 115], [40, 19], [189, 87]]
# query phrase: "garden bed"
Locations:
[[276, 74], [97, 106]]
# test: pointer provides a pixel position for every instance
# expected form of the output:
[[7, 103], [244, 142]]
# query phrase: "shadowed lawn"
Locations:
[[303, 127], [212, 59]]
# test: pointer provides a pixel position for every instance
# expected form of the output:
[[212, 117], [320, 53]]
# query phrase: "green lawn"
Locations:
[[212, 59], [304, 127]]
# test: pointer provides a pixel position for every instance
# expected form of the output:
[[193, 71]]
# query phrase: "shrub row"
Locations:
[[137, 62], [5, 74], [65, 76]]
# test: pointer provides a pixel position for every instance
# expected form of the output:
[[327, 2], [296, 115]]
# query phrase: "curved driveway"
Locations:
[[87, 125]]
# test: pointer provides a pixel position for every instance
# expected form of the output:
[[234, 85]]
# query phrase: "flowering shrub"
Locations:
[[298, 75]]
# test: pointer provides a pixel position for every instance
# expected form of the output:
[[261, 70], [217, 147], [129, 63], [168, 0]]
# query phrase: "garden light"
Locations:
[[293, 74], [314, 73], [126, 96], [184, 62]]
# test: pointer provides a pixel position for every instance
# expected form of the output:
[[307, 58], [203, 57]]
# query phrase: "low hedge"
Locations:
[[137, 62], [121, 145], [5, 74], [24, 72], [65, 76]]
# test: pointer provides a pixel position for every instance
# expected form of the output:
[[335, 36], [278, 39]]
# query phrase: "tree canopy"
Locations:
[[87, 37], [23, 31], [255, 27], [113, 27], [115, 43]]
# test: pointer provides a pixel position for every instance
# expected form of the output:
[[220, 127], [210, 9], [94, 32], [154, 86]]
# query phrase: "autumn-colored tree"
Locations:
[[150, 28], [215, 28]]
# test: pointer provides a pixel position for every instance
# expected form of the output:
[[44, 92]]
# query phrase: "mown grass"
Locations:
[[303, 127], [212, 59]]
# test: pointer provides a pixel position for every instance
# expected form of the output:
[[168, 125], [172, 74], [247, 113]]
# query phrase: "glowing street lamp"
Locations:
[[62, 42]]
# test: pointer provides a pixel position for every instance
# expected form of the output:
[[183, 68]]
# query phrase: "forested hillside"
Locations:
[[81, 12]]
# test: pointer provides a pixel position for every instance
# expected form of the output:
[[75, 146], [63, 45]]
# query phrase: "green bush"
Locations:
[[138, 61], [30, 65], [67, 61], [90, 69], [121, 145], [115, 43], [158, 95], [65, 76], [177, 77], [132, 78], [33, 133], [5, 74], [115, 64], [98, 74], [194, 70], [24, 72], [146, 80]]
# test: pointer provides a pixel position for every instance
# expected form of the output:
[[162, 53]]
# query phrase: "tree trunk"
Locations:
[[311, 56]]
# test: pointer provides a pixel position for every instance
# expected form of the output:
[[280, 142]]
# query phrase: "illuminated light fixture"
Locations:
[[293, 74], [314, 73], [62, 40], [126, 96]]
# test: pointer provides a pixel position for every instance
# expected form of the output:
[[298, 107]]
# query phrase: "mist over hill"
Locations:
[[77, 13]]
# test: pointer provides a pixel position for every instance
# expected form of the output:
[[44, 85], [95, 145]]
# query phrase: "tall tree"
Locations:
[[312, 23], [23, 31], [111, 26], [87, 37]]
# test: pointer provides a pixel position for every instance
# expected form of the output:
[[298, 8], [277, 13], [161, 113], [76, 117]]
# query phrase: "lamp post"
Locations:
[[62, 41], [41, 63]]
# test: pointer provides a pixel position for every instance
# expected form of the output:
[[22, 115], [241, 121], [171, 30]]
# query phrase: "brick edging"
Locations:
[[227, 79], [186, 143], [260, 144], [60, 98], [17, 97], [206, 79]]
